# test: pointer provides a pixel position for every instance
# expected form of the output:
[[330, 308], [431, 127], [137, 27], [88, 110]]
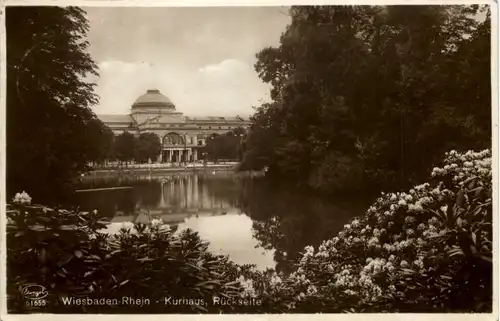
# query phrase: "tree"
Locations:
[[124, 147], [101, 136], [48, 100], [226, 146], [147, 147], [389, 88]]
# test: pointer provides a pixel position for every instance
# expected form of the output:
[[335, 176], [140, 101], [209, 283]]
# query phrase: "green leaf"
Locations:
[[88, 273], [473, 236], [408, 271], [208, 282], [460, 199], [124, 282], [65, 261], [78, 253], [455, 252], [146, 259]]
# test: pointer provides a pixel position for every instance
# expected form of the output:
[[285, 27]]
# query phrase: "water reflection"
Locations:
[[232, 235], [250, 220]]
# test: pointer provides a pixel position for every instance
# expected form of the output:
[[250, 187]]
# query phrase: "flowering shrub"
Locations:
[[66, 253], [429, 249]]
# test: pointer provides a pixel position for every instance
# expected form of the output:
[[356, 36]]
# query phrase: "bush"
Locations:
[[426, 250], [65, 252]]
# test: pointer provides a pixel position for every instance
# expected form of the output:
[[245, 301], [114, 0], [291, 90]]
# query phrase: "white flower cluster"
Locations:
[[327, 248], [344, 279], [376, 266], [275, 280], [311, 290], [129, 226], [462, 165], [309, 253], [299, 278], [22, 198], [159, 224], [156, 223], [247, 285]]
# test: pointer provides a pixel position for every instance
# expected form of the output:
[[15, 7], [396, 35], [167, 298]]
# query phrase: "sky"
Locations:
[[201, 58]]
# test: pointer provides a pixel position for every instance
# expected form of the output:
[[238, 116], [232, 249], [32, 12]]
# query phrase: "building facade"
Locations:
[[182, 137]]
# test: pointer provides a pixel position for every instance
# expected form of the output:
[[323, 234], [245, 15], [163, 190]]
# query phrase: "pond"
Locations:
[[249, 219]]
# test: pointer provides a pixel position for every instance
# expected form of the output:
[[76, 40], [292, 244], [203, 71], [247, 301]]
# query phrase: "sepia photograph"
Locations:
[[250, 159]]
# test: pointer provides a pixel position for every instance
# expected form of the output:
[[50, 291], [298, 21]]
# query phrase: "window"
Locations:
[[209, 127], [173, 139], [220, 127], [200, 142]]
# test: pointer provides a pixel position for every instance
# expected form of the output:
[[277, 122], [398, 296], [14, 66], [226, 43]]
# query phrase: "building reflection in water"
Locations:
[[180, 197], [192, 193], [204, 203]]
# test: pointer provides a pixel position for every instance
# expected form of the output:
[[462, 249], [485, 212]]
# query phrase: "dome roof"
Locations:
[[153, 98]]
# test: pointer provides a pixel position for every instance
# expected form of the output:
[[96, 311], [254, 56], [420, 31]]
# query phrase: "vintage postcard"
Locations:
[[252, 160]]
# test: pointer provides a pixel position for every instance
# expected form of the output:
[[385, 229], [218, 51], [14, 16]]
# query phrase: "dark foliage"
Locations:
[[51, 130], [125, 147], [388, 88], [227, 146], [147, 147]]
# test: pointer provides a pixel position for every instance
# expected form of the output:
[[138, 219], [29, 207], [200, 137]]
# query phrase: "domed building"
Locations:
[[181, 136]]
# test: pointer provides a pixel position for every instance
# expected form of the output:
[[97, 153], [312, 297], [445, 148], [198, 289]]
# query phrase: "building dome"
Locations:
[[153, 98]]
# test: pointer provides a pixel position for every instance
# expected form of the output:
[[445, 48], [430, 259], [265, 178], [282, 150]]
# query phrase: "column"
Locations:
[[190, 153], [160, 158], [169, 155], [195, 154]]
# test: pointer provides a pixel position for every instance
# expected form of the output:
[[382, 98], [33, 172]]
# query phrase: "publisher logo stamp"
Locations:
[[34, 294]]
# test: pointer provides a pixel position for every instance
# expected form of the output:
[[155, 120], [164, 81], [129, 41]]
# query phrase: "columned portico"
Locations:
[[178, 155], [180, 136]]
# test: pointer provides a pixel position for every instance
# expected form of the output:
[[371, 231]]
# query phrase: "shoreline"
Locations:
[[156, 170], [122, 177]]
